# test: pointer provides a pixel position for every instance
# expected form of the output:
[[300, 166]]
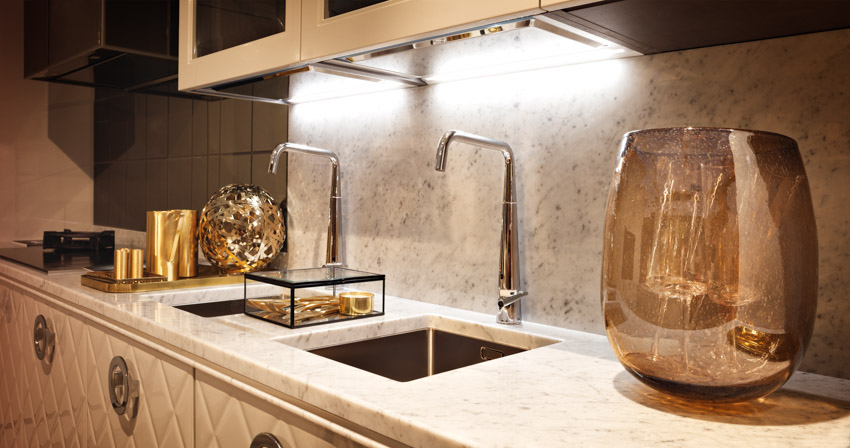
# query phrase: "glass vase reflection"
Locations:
[[709, 276]]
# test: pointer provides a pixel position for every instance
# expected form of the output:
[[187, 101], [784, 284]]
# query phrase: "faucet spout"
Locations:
[[333, 252], [510, 311], [483, 142]]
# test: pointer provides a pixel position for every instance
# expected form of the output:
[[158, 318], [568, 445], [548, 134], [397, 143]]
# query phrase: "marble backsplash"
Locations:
[[436, 235]]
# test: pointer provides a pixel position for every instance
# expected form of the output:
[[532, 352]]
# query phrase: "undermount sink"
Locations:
[[417, 347]]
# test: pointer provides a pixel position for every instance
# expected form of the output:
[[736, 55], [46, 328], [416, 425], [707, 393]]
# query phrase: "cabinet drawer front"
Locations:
[[43, 401], [227, 416], [163, 415]]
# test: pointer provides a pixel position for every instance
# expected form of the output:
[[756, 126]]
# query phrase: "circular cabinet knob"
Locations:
[[265, 440], [122, 387], [43, 338]]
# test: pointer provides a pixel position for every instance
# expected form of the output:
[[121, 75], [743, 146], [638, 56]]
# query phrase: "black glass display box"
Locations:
[[298, 298]]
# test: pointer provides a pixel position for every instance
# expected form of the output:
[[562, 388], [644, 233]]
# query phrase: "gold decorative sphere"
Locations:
[[241, 229]]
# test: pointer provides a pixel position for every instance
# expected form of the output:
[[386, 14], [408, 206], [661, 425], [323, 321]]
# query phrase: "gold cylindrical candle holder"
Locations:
[[187, 252], [137, 263], [122, 263], [355, 303], [172, 243]]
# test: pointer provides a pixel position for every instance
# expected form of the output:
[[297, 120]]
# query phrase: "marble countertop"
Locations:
[[572, 392]]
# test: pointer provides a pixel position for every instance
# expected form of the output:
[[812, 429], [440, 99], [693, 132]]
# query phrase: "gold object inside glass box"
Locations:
[[313, 296]]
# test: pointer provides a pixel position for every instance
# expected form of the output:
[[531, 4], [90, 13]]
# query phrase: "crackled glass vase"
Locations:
[[709, 270]]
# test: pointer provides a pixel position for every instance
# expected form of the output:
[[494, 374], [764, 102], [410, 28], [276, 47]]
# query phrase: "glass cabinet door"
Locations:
[[227, 40], [222, 24], [335, 8], [332, 28]]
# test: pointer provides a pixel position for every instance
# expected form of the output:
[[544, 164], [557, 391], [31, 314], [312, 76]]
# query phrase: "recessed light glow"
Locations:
[[527, 65], [366, 87]]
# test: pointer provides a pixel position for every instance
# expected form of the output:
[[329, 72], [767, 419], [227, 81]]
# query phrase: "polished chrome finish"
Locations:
[[333, 253], [236, 96], [416, 354], [43, 339], [442, 39], [551, 23], [348, 67], [265, 440], [344, 68], [123, 389], [543, 22], [331, 67], [510, 310]]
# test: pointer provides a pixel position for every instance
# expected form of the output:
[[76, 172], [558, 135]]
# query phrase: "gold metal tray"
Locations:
[[207, 276]]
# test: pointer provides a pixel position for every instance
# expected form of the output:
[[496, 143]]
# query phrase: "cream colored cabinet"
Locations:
[[42, 378], [224, 41], [12, 367], [227, 40], [72, 379], [232, 414], [62, 399], [334, 28], [151, 404]]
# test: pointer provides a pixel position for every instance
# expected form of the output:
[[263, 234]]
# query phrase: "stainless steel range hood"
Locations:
[[102, 43], [527, 43]]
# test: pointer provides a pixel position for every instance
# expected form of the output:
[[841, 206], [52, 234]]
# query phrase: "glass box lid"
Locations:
[[305, 278]]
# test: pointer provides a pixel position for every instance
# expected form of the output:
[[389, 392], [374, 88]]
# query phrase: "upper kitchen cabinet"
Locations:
[[333, 28], [229, 40]]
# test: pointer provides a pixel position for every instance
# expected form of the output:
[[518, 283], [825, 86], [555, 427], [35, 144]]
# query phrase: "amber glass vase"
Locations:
[[709, 270]]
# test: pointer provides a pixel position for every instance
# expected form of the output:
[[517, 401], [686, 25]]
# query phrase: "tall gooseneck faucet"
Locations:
[[333, 253], [510, 311]]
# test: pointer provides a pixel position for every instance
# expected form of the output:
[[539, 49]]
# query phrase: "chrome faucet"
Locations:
[[510, 311], [333, 253]]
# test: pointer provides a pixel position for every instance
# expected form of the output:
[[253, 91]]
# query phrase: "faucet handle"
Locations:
[[509, 307], [508, 297]]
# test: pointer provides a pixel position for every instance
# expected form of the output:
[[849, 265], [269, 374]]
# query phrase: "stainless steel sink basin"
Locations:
[[409, 356], [412, 348]]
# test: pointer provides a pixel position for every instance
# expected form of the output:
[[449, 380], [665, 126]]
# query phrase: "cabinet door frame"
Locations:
[[397, 21], [267, 55]]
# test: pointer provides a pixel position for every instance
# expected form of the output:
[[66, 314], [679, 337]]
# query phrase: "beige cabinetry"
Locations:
[[224, 41], [227, 40], [63, 400], [160, 398], [156, 399], [42, 400], [232, 414], [328, 33]]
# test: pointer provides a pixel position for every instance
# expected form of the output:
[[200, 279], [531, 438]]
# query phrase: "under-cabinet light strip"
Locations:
[[596, 54]]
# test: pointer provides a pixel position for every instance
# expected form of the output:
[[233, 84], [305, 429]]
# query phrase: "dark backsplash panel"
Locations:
[[156, 152]]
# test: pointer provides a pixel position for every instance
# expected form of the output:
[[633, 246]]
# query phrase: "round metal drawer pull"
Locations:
[[43, 339], [122, 387], [265, 440]]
